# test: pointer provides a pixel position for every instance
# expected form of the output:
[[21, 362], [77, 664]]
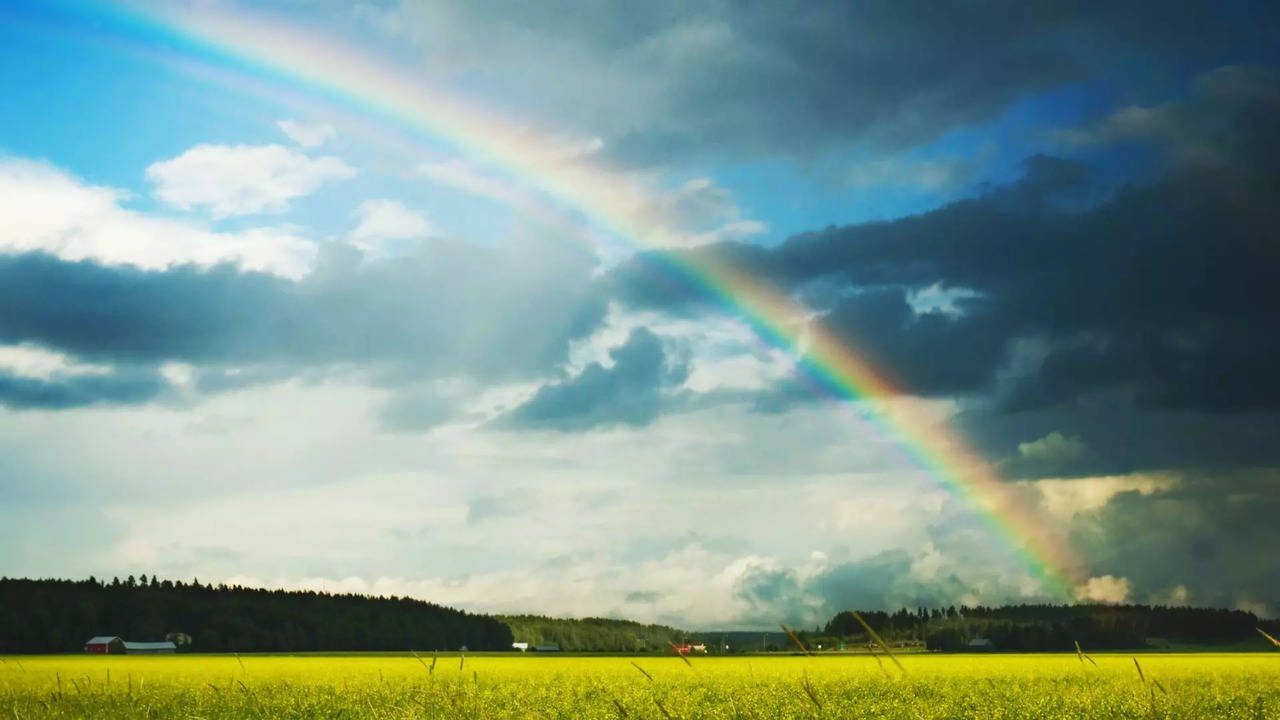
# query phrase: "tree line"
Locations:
[[39, 616], [1047, 627], [593, 634]]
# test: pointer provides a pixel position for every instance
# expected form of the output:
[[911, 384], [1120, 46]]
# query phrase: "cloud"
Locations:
[[461, 175], [32, 377], [32, 361], [230, 180], [1104, 589], [430, 315], [308, 135], [697, 202], [43, 209], [630, 392], [661, 84], [63, 392], [706, 211], [73, 535], [1133, 322], [1066, 498], [381, 222], [485, 508], [1201, 531], [923, 576], [422, 406], [929, 175], [1202, 129], [1053, 449], [1159, 291]]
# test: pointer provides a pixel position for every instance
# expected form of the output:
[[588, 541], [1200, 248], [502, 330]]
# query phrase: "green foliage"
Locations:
[[59, 615], [592, 634], [1051, 627]]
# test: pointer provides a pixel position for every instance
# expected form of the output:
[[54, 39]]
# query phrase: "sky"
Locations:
[[539, 307]]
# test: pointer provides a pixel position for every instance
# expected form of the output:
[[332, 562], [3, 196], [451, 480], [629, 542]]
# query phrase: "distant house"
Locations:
[[702, 648], [980, 645], [546, 648], [150, 648], [521, 646], [104, 644]]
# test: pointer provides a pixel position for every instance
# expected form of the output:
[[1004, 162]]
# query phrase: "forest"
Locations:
[[1048, 627], [41, 616], [593, 634]]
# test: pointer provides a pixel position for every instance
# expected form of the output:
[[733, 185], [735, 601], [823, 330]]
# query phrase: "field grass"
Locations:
[[1217, 686]]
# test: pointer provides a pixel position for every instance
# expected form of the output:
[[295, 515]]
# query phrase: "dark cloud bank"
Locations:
[[1139, 332], [772, 79], [628, 392], [460, 309], [1159, 300]]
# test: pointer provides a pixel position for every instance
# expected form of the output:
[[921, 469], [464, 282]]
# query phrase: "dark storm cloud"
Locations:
[[1208, 533], [664, 80], [1116, 437], [119, 387], [1165, 289], [630, 392], [455, 310], [886, 580]]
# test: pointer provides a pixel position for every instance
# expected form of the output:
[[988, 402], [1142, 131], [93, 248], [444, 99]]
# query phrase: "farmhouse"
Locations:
[[521, 646], [686, 648], [104, 644], [546, 648], [112, 644]]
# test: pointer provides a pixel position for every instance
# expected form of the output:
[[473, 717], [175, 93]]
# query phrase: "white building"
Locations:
[[150, 648]]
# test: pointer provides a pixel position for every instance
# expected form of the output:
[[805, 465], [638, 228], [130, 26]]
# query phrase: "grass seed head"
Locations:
[[794, 639], [1264, 634]]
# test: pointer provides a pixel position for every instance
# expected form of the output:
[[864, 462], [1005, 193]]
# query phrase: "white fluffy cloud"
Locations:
[[33, 361], [1103, 589], [232, 180], [937, 175], [44, 209], [1054, 447], [1067, 497], [706, 209], [381, 222], [308, 135], [328, 499]]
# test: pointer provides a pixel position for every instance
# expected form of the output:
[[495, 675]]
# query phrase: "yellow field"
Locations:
[[1217, 686]]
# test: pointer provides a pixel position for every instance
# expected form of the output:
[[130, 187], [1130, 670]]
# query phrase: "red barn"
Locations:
[[104, 644]]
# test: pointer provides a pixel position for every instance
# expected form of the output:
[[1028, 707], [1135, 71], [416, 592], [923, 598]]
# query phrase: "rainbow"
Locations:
[[268, 51]]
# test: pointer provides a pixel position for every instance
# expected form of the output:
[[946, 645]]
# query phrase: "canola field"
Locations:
[[1217, 686]]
